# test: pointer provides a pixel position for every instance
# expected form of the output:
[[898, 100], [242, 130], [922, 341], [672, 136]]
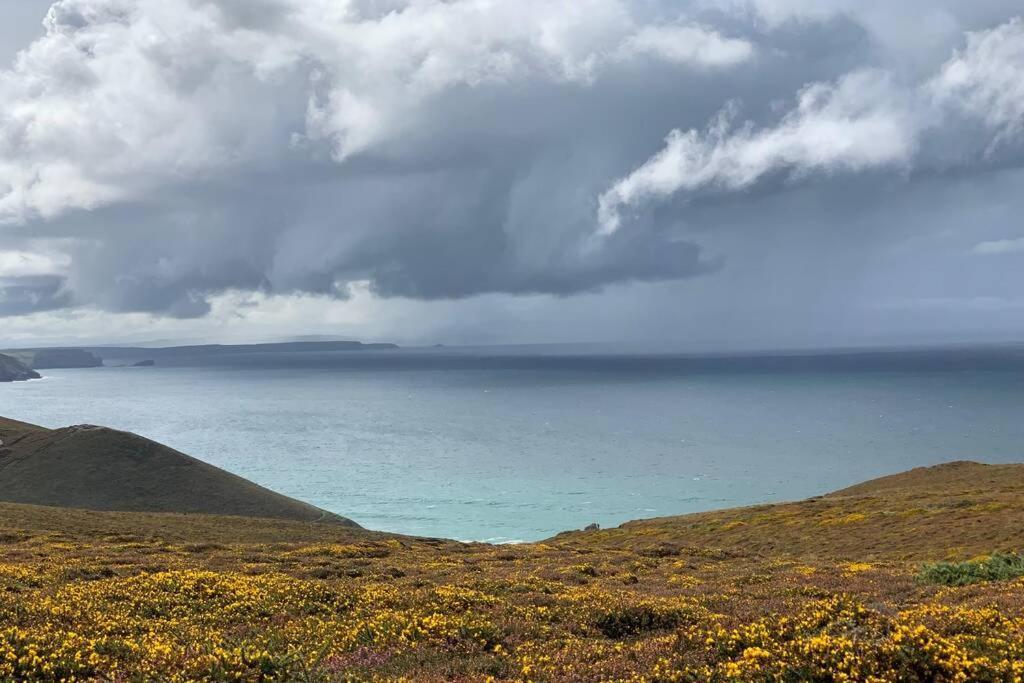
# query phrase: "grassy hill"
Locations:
[[97, 468], [954, 510], [840, 587]]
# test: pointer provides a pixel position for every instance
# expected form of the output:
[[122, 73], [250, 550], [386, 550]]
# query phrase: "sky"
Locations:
[[712, 174]]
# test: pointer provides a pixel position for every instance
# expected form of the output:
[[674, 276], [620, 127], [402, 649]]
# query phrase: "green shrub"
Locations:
[[632, 620], [998, 567]]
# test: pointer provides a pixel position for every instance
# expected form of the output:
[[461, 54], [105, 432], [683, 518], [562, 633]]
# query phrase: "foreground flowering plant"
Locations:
[[114, 609]]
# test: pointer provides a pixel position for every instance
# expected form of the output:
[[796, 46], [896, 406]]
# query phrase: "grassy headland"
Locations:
[[98, 468], [833, 588]]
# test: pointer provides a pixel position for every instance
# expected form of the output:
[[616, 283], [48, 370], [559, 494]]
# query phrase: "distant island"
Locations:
[[14, 370]]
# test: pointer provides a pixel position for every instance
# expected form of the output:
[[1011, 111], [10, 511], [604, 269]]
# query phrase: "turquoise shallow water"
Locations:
[[515, 452]]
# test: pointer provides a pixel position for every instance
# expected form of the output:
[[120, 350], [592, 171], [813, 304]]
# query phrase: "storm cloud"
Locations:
[[157, 154]]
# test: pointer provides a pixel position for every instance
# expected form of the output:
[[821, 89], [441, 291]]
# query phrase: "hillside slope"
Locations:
[[138, 596], [97, 468], [954, 510]]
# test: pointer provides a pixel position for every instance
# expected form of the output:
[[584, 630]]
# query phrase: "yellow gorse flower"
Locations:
[[397, 610]]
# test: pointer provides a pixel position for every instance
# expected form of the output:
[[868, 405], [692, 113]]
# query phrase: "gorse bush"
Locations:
[[998, 567], [631, 620], [256, 613]]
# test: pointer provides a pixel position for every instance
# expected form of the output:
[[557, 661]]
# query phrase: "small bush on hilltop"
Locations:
[[998, 567]]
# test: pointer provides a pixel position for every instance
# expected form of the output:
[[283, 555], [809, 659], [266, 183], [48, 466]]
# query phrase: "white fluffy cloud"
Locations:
[[688, 44], [170, 152], [121, 96], [985, 79], [865, 120]]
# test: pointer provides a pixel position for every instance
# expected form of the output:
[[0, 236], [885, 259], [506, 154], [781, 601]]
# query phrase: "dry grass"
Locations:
[[87, 525], [952, 511]]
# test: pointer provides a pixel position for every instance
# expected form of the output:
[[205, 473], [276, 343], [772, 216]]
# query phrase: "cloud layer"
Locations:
[[157, 155], [863, 121]]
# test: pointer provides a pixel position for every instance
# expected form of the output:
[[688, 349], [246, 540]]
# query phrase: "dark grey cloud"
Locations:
[[179, 149], [31, 294]]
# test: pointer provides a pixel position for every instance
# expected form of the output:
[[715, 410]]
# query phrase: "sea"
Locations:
[[517, 444]]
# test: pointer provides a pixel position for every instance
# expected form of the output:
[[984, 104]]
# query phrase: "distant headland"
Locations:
[[50, 359], [14, 370], [53, 358], [20, 364], [134, 354]]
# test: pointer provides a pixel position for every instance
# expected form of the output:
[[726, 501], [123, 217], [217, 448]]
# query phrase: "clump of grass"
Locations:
[[998, 567]]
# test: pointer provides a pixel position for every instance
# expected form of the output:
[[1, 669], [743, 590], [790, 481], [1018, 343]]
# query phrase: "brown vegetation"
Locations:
[[950, 511]]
